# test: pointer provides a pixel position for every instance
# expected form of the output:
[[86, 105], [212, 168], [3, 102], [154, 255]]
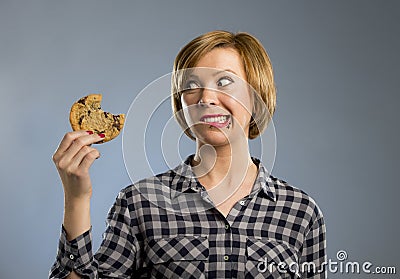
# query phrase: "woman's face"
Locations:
[[217, 102]]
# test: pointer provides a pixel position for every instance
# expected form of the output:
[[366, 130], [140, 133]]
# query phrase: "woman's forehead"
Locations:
[[227, 59]]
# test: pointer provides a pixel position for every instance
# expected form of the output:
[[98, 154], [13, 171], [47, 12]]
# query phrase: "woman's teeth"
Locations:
[[218, 119]]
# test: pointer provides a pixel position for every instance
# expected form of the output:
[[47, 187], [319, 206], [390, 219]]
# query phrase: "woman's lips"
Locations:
[[216, 120]]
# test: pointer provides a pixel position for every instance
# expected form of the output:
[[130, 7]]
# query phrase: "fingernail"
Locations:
[[102, 136], [89, 132]]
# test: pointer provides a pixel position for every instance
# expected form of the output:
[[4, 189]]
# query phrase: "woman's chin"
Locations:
[[214, 137]]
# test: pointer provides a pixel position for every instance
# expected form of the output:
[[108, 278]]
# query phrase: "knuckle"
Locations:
[[70, 171], [68, 136], [79, 142], [61, 164], [86, 149], [95, 152], [91, 155], [77, 173], [81, 172]]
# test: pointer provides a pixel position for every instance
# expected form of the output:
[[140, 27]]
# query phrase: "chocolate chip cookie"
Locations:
[[86, 114]]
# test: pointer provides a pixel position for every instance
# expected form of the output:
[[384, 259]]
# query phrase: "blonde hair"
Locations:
[[257, 66]]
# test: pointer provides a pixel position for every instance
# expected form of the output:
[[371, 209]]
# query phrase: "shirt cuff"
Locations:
[[75, 254]]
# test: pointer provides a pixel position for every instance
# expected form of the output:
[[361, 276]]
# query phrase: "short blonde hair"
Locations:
[[257, 66]]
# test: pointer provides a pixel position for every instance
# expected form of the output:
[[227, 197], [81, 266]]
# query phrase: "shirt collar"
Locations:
[[185, 180]]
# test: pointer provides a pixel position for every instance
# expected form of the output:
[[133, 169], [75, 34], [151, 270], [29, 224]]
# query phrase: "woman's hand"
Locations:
[[73, 159]]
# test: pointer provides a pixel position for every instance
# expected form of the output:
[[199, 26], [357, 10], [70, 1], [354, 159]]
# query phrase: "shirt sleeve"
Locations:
[[114, 259], [72, 255], [313, 259]]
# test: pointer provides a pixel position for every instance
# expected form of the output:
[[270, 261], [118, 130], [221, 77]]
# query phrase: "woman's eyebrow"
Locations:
[[214, 74], [226, 70], [193, 76]]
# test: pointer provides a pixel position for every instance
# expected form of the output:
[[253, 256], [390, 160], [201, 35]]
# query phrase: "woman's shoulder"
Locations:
[[293, 197], [154, 188], [163, 182]]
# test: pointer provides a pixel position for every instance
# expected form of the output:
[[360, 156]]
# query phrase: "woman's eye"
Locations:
[[224, 81], [191, 85]]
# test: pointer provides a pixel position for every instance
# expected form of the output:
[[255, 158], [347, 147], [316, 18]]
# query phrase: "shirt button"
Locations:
[[226, 227], [71, 256], [242, 202], [226, 257]]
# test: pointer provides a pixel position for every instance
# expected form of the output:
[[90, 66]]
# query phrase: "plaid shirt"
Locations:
[[166, 226]]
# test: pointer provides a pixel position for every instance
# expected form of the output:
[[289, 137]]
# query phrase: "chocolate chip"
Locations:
[[116, 124], [106, 114], [80, 120], [89, 111]]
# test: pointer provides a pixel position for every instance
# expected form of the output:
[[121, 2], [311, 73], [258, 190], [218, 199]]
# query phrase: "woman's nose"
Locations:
[[209, 96]]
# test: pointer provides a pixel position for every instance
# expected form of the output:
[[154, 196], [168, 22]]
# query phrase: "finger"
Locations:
[[89, 159], [67, 140], [78, 143], [77, 159]]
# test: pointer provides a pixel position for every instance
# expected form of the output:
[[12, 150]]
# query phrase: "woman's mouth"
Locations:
[[216, 120]]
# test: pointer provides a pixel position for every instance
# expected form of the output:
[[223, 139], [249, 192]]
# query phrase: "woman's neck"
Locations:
[[225, 165], [227, 173]]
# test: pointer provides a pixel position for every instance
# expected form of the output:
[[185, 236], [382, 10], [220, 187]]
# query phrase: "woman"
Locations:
[[227, 218]]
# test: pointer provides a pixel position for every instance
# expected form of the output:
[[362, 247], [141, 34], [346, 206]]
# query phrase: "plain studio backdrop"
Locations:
[[337, 72]]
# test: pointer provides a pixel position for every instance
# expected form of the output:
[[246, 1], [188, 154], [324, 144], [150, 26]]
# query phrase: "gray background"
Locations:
[[337, 71]]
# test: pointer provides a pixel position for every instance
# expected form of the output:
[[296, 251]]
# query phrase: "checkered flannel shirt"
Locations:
[[166, 226]]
